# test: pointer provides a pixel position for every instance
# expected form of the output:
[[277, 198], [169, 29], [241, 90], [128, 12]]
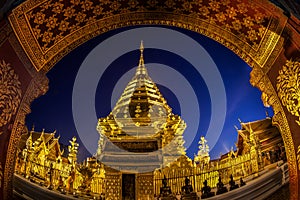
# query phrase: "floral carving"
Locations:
[[288, 87], [10, 93]]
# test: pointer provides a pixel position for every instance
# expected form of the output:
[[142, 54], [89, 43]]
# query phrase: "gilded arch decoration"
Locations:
[[269, 97], [48, 30]]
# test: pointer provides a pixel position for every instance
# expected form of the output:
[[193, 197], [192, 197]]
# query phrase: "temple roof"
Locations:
[[47, 137], [266, 133], [40, 138], [257, 125]]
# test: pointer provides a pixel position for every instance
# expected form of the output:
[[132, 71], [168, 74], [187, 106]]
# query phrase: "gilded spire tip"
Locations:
[[141, 62], [142, 46], [141, 70]]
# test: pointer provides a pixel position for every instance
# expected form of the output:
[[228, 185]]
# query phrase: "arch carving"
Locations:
[[48, 30]]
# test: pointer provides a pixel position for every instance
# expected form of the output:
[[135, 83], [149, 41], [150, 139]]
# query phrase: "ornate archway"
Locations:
[[39, 33]]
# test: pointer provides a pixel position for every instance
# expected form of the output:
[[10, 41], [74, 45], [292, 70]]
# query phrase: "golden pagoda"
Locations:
[[141, 133]]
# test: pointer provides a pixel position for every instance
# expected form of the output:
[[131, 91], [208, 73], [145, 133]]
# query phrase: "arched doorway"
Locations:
[[256, 31]]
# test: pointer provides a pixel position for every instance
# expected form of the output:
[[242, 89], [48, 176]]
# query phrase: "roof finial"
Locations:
[[142, 46], [141, 70], [267, 114], [141, 63]]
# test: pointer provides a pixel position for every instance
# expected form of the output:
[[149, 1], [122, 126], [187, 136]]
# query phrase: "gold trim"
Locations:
[[269, 96]]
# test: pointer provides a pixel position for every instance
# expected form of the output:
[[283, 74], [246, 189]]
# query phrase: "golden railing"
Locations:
[[175, 173], [98, 184], [41, 174], [197, 173]]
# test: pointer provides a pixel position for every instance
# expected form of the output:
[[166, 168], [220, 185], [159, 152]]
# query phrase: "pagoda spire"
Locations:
[[141, 70], [141, 63]]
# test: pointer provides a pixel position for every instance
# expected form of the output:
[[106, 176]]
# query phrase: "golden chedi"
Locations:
[[141, 133]]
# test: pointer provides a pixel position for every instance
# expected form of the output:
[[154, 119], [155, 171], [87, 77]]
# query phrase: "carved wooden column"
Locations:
[[20, 84], [280, 86]]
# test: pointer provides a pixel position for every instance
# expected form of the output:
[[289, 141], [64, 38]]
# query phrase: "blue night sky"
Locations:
[[53, 111]]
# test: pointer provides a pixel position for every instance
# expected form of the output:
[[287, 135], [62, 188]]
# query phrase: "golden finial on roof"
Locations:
[[141, 63], [141, 69], [267, 115], [142, 46]]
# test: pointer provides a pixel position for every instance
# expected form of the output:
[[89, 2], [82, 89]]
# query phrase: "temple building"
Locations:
[[42, 149], [263, 135], [45, 161]]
